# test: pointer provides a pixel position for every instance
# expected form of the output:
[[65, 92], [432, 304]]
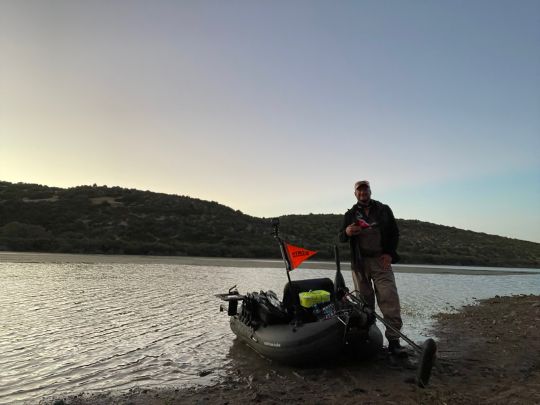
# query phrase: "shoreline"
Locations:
[[488, 353], [39, 257]]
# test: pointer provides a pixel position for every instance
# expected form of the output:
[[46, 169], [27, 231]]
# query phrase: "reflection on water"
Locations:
[[69, 327]]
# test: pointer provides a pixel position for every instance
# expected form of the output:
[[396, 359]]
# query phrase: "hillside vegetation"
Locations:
[[115, 220]]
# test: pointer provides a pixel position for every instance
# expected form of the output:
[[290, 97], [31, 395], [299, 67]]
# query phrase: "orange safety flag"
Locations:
[[297, 255]]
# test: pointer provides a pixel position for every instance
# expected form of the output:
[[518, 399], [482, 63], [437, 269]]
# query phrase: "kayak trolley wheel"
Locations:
[[425, 364]]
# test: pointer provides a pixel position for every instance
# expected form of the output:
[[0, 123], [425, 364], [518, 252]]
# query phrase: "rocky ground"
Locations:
[[487, 354]]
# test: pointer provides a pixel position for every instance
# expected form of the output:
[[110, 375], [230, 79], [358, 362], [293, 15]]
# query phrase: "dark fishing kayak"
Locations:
[[307, 343], [289, 333]]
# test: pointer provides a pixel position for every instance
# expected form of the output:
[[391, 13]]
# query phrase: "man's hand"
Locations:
[[353, 230], [386, 262]]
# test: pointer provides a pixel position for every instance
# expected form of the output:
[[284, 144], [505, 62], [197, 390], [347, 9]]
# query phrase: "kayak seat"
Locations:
[[291, 300]]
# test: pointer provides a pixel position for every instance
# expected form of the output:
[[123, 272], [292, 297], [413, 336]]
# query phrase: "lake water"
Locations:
[[69, 326]]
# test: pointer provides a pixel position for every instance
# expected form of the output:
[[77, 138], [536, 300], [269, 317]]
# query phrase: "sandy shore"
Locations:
[[488, 354], [35, 257]]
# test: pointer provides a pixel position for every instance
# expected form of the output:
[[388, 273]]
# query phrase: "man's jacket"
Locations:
[[383, 215]]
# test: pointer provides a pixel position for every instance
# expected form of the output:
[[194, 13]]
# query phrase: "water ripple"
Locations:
[[68, 327]]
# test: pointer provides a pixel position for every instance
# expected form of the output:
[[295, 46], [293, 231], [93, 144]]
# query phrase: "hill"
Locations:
[[115, 220]]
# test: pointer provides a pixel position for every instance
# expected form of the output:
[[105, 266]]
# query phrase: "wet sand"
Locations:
[[487, 354], [35, 257]]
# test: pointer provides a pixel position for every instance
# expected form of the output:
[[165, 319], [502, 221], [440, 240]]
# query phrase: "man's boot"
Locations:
[[396, 349]]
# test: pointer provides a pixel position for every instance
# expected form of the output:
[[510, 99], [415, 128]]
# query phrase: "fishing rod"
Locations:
[[340, 287], [428, 349]]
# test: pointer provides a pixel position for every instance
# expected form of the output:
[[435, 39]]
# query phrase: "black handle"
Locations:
[[336, 255]]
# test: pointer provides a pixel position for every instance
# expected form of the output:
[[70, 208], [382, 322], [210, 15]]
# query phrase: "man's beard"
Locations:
[[365, 203]]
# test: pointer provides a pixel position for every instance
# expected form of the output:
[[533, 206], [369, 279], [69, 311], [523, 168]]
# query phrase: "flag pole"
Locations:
[[288, 267]]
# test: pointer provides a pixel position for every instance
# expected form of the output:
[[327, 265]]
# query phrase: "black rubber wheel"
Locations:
[[426, 361]]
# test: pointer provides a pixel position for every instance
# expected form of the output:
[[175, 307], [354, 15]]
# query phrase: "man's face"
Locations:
[[363, 194]]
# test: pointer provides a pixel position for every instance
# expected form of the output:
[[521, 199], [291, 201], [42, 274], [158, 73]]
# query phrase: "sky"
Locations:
[[278, 107]]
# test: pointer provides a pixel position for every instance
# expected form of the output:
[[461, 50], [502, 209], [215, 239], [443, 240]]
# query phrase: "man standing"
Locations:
[[371, 229]]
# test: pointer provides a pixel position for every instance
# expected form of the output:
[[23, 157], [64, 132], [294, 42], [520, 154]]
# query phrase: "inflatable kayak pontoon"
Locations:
[[289, 333]]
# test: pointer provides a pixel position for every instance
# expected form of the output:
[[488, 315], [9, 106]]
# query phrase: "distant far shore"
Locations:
[[118, 221], [39, 257]]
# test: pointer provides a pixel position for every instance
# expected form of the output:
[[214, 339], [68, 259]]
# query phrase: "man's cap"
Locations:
[[360, 184]]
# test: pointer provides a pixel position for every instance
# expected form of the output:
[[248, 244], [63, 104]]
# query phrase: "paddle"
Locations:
[[428, 349]]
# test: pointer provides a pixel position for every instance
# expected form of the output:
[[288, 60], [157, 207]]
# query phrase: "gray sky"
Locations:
[[278, 107]]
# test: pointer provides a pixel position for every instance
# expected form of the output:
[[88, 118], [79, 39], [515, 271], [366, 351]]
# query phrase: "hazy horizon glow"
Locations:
[[277, 108]]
